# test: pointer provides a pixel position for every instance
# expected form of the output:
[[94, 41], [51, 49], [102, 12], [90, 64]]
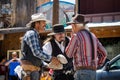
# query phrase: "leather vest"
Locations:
[[28, 55], [56, 50]]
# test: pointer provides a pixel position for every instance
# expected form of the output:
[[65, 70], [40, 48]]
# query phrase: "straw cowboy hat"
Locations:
[[37, 17], [57, 28], [78, 19]]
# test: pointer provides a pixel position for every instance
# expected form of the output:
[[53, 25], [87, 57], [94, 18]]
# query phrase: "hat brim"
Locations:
[[29, 24], [62, 59], [50, 34]]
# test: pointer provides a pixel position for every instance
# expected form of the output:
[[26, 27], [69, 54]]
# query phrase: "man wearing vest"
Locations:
[[56, 45], [32, 49], [85, 49]]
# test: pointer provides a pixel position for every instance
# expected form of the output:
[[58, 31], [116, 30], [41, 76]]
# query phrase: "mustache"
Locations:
[[62, 38]]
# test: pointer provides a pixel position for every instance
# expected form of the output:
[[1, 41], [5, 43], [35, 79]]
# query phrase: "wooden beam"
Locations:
[[106, 32], [13, 30], [100, 32], [103, 32]]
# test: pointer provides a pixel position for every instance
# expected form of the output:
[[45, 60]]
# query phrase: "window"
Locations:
[[116, 65], [9, 54]]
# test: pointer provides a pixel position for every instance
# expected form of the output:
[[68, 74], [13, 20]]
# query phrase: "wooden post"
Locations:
[[77, 6], [55, 12], [22, 11]]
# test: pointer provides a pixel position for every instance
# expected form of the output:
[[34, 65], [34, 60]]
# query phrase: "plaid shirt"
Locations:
[[81, 50], [32, 39]]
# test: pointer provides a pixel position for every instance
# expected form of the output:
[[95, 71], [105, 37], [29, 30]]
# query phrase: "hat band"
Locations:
[[77, 21], [58, 31]]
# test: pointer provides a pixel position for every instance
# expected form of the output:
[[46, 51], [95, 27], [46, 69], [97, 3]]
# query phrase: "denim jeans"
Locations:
[[85, 75], [35, 75]]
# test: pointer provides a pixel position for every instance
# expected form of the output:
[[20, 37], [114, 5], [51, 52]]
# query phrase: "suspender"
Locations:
[[91, 40]]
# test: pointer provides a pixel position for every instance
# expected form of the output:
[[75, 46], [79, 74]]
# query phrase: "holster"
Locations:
[[28, 66]]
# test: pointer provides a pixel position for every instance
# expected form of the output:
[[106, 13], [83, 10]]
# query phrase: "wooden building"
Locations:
[[99, 10], [94, 10], [19, 17]]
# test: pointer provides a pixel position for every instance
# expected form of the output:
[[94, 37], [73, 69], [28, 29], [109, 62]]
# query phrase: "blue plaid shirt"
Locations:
[[32, 39]]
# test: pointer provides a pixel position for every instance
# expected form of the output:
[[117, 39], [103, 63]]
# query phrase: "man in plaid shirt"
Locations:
[[31, 47]]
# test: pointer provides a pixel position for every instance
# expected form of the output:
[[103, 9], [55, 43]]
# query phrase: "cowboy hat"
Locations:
[[55, 64], [57, 28], [37, 17], [78, 19], [62, 59]]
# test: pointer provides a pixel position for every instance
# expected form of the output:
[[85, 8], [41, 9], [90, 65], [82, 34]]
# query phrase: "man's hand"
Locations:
[[55, 64], [55, 60]]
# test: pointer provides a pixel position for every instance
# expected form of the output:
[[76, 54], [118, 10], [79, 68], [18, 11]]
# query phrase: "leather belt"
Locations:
[[28, 66], [86, 68]]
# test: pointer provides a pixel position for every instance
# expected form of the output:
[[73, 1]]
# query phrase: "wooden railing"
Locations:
[[103, 17]]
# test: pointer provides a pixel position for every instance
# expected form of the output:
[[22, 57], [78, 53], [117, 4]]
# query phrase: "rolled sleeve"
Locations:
[[71, 48], [102, 53]]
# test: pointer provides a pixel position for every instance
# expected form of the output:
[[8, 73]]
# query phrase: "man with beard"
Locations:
[[56, 45]]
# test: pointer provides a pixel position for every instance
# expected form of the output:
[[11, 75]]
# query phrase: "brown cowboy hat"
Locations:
[[78, 19]]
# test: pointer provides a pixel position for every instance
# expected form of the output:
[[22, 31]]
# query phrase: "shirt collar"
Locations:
[[58, 42], [36, 32]]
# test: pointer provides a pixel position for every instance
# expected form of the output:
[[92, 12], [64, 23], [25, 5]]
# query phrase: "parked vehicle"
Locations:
[[111, 71]]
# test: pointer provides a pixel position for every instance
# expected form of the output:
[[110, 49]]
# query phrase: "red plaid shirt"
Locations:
[[81, 50]]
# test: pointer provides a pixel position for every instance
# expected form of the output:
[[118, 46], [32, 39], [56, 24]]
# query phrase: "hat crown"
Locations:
[[38, 16], [57, 28], [79, 18]]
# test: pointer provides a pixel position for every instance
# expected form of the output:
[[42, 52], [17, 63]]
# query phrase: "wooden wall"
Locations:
[[106, 32], [103, 32], [109, 36], [99, 6], [10, 42], [22, 11]]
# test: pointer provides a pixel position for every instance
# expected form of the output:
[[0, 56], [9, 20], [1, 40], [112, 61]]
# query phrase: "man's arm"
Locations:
[[102, 53], [47, 48], [33, 42], [71, 48]]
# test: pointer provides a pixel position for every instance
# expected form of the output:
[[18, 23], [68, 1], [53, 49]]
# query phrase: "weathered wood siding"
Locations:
[[22, 11], [10, 42], [99, 6], [111, 43]]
